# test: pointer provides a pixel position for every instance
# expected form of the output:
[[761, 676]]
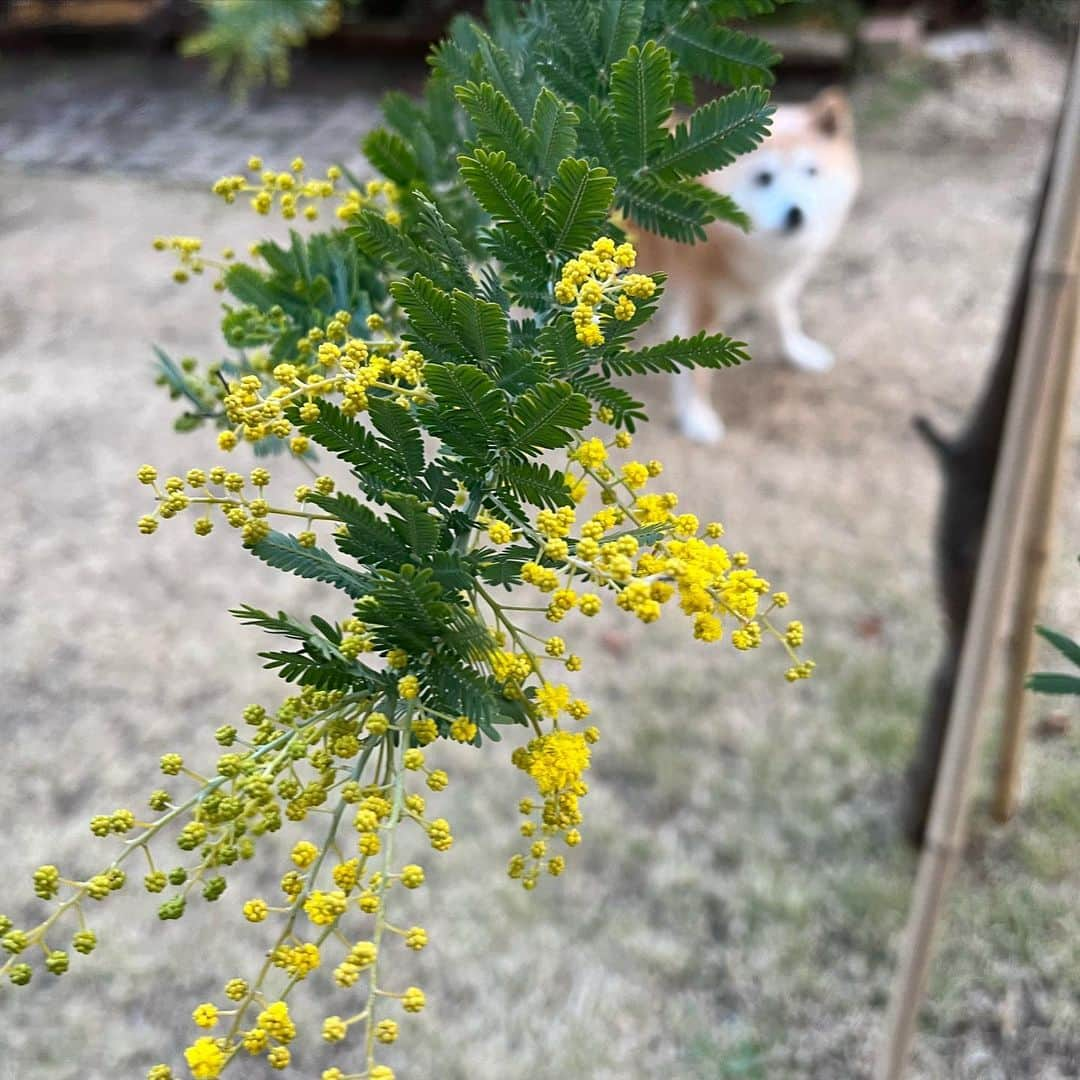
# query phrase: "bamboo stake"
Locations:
[[1036, 546], [1010, 501]]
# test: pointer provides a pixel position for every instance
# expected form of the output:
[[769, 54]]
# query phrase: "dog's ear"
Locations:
[[830, 112]]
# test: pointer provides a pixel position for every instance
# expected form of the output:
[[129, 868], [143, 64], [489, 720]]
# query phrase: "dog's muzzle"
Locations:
[[793, 219]]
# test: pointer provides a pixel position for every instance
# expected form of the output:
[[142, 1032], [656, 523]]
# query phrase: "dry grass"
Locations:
[[734, 912]]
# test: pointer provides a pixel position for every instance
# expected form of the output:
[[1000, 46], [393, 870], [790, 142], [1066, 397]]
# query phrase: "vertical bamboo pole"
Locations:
[[1010, 501], [1037, 543]]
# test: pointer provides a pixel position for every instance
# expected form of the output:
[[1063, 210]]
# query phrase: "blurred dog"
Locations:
[[797, 189]]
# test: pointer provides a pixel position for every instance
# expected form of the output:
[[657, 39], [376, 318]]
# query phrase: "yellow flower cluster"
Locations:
[[359, 887], [597, 284], [330, 362], [219, 487], [639, 546], [291, 189], [556, 761], [190, 257], [296, 194]]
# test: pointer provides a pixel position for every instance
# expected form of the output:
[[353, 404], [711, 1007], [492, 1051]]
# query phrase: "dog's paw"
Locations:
[[698, 421], [808, 355]]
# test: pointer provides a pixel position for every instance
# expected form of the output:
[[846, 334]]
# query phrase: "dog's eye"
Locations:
[[763, 179], [811, 170]]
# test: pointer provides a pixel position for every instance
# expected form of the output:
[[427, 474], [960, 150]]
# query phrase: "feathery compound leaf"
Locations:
[[533, 482], [625, 410], [468, 391], [317, 672], [725, 208], [454, 63], [383, 242], [560, 347], [287, 553], [722, 55], [482, 327], [701, 350], [349, 440], [576, 204], [572, 26], [641, 91], [406, 606], [497, 122], [418, 530], [678, 209], [716, 134], [507, 194], [442, 239], [618, 27], [546, 418], [392, 156], [431, 318], [500, 70], [554, 134], [367, 538], [282, 623], [403, 444]]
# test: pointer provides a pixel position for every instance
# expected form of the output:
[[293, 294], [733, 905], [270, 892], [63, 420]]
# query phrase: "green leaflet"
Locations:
[[576, 205], [641, 95], [715, 135], [545, 418], [286, 553], [507, 194]]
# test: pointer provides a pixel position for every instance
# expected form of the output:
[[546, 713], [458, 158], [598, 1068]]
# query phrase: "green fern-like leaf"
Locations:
[[431, 318], [546, 418], [442, 240], [469, 414], [315, 671], [576, 205], [251, 42], [349, 440], [403, 444], [387, 244], [641, 93], [701, 350], [482, 327], [678, 209], [287, 553], [418, 530], [497, 122], [392, 156], [618, 26], [367, 538], [572, 29], [715, 134], [507, 194], [533, 482], [722, 55], [553, 131]]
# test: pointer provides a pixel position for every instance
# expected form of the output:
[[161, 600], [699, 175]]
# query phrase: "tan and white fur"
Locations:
[[797, 188]]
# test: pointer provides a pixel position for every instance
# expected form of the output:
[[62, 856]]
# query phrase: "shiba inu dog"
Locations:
[[797, 188]]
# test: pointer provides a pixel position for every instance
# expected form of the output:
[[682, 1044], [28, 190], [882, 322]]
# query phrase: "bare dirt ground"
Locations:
[[736, 907]]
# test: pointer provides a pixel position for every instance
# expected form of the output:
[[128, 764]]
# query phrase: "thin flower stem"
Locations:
[[396, 769]]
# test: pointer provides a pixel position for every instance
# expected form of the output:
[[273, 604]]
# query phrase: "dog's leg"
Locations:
[[796, 348], [694, 414], [696, 417]]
